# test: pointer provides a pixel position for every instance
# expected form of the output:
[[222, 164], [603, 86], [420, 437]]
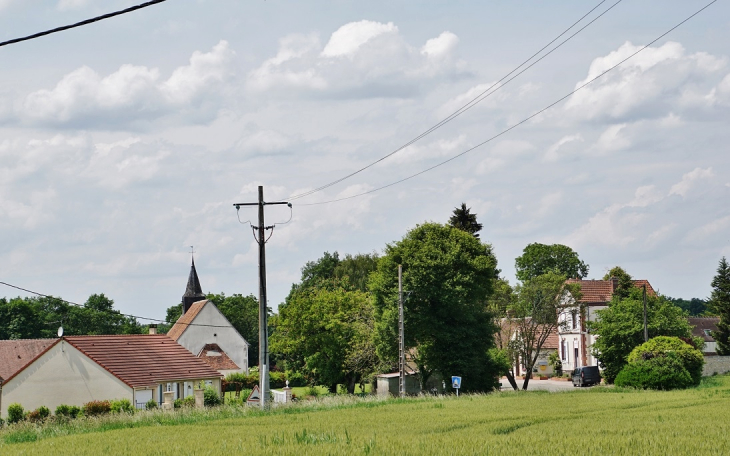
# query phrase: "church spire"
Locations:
[[193, 292]]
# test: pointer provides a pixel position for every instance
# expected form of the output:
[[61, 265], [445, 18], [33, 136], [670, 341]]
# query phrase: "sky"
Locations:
[[125, 142]]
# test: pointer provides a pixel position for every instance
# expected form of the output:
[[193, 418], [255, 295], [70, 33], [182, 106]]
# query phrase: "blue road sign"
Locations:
[[456, 382]]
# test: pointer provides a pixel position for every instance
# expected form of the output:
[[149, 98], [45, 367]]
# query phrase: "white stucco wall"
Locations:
[[63, 375], [195, 337]]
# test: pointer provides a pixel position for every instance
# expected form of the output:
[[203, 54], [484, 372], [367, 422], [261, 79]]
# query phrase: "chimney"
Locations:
[[153, 329], [614, 283]]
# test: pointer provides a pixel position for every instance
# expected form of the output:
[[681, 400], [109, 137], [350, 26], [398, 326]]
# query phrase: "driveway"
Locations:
[[534, 385]]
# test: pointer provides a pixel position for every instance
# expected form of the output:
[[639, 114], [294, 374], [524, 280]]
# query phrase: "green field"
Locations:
[[600, 420]]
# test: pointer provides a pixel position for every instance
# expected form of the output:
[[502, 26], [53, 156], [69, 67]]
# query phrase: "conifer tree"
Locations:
[[464, 220], [720, 304]]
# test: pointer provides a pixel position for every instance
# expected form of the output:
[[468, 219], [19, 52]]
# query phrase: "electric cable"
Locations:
[[518, 123], [105, 311], [480, 97], [84, 22]]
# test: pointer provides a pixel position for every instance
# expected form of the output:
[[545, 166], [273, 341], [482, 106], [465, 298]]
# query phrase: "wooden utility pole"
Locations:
[[263, 311], [646, 329], [401, 338]]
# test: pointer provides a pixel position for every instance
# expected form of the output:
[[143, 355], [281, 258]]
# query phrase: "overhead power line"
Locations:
[[79, 24], [474, 101], [104, 311], [518, 123]]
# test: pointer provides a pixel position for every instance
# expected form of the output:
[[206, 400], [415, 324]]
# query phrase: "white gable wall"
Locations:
[[62, 375], [219, 332]]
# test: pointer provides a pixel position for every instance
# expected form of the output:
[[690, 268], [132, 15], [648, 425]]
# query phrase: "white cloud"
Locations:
[[348, 39], [131, 93], [698, 174], [612, 140], [553, 153], [710, 229], [363, 59], [647, 85]]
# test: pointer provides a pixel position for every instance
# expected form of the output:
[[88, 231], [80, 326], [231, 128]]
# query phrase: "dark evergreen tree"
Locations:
[[720, 305], [464, 220]]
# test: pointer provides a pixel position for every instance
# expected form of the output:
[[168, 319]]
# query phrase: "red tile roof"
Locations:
[[600, 291], [552, 341], [143, 359], [15, 355], [184, 321], [700, 324], [216, 358]]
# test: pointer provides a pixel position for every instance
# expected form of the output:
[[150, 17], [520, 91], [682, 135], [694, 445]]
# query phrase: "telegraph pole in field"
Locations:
[[401, 338], [646, 329], [263, 312]]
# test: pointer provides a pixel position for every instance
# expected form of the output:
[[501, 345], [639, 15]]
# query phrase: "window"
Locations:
[[562, 350], [574, 318]]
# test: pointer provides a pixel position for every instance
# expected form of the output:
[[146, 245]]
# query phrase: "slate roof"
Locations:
[[601, 291], [184, 321], [141, 360], [216, 358], [700, 324], [193, 288], [15, 355]]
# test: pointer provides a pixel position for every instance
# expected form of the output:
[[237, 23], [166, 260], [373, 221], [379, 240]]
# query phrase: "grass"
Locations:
[[594, 421]]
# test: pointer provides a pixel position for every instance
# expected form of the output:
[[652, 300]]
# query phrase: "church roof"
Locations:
[[185, 320], [193, 289]]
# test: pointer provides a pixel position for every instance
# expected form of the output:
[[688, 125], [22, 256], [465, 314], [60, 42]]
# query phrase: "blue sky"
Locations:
[[124, 142]]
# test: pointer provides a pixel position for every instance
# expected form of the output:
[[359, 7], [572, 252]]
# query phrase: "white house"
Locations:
[[202, 325], [74, 370], [574, 339]]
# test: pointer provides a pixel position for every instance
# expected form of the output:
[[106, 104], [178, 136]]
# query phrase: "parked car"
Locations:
[[586, 376]]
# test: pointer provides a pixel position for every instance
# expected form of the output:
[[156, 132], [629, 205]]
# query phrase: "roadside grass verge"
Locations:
[[593, 421]]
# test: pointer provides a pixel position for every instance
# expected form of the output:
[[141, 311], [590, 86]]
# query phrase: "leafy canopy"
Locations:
[[620, 328], [538, 259], [448, 275]]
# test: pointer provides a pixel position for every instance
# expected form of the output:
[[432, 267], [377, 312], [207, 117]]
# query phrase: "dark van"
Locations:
[[586, 376]]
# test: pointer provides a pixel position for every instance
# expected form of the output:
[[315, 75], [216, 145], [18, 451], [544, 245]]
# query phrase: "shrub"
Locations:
[[177, 403], [94, 408], [211, 398], [689, 357], [122, 405], [189, 401], [2, 422], [70, 411], [34, 416], [296, 379], [151, 404], [312, 391], [277, 379], [555, 363], [661, 373], [15, 413], [39, 414]]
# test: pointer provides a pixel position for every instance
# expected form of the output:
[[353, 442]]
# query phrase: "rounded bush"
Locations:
[[15, 413], [660, 373], [122, 405], [662, 346], [211, 398], [151, 404], [94, 408]]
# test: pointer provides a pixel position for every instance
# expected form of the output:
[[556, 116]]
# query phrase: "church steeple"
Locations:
[[193, 292]]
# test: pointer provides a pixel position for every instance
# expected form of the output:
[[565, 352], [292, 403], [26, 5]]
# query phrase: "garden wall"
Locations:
[[716, 364]]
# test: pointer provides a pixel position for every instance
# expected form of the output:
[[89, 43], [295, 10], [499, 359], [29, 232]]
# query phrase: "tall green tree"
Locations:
[[449, 275], [464, 220], [620, 328], [625, 282], [720, 304], [325, 331], [538, 259], [535, 315], [694, 307]]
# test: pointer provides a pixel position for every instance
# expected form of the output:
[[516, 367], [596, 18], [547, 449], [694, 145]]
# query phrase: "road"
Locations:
[[548, 385]]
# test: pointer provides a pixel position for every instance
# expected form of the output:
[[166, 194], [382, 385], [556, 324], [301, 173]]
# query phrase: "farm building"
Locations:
[[207, 333], [74, 370]]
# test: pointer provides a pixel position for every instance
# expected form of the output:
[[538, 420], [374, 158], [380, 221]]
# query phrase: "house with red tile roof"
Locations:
[[74, 370], [574, 339], [703, 327], [202, 325]]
